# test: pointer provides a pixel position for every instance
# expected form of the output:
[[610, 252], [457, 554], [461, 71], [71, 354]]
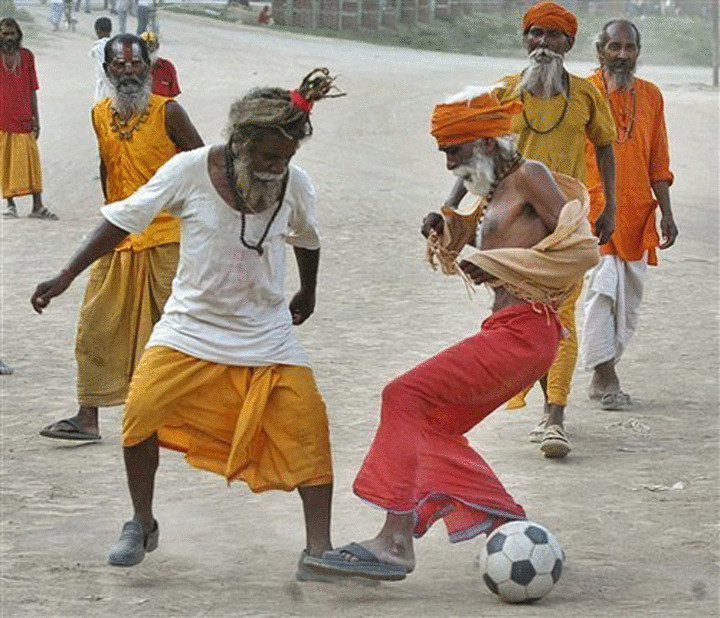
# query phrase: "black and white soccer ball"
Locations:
[[521, 561]]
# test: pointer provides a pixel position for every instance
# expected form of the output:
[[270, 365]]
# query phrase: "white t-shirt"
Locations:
[[102, 85], [228, 303]]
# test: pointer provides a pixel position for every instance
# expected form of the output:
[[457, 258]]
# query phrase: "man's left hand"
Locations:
[[477, 275], [668, 231], [302, 306], [605, 226]]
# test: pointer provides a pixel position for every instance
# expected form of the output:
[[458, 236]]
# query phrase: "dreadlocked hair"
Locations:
[[272, 109]]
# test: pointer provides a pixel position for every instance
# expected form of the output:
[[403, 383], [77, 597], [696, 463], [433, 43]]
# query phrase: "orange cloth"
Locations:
[[20, 172], [550, 15], [640, 159], [466, 121], [264, 425], [124, 298], [131, 163]]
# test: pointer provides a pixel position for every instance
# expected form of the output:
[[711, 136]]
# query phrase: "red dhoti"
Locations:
[[420, 462]]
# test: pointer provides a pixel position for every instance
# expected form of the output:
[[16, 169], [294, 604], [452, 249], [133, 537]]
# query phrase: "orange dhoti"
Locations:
[[20, 172], [266, 426]]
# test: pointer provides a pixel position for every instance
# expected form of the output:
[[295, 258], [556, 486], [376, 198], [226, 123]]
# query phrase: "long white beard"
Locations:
[[478, 173], [130, 96], [259, 190], [544, 75]]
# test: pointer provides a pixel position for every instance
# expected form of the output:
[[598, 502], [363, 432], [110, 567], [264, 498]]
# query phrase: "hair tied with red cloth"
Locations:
[[298, 100]]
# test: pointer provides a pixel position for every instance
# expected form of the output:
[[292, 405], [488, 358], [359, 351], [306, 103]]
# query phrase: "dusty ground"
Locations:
[[636, 503]]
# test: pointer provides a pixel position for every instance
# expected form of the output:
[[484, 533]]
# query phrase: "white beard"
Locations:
[[259, 190], [129, 96], [544, 76], [478, 173]]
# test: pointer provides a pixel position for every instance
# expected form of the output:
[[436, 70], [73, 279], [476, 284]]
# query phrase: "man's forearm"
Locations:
[[103, 239], [456, 194], [661, 189], [606, 164], [308, 261]]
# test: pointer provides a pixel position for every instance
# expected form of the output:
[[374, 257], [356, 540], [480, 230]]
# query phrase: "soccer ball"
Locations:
[[521, 561]]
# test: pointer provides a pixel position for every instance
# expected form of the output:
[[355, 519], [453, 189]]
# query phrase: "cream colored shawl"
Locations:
[[544, 273]]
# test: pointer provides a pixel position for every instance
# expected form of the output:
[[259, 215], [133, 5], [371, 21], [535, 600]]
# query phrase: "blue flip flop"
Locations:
[[366, 564]]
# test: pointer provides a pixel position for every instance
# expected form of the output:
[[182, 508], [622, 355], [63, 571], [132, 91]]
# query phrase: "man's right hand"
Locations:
[[50, 289], [432, 222]]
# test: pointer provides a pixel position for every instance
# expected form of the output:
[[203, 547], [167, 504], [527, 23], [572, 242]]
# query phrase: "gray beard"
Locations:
[[128, 99], [543, 77], [260, 192], [9, 46], [478, 173], [621, 73]]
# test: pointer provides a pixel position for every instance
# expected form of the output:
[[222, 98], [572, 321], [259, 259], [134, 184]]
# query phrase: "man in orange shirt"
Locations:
[[137, 133], [643, 178]]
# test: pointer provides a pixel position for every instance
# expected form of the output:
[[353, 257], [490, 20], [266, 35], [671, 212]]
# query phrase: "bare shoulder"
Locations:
[[533, 171]]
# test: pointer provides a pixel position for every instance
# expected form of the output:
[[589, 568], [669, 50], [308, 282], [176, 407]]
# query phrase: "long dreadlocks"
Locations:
[[277, 109]]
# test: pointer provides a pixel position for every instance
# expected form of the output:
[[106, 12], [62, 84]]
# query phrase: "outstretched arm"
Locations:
[[104, 238], [302, 304], [605, 223], [179, 128]]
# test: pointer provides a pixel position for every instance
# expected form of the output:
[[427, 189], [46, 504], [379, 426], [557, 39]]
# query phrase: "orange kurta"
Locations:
[[130, 163], [641, 158]]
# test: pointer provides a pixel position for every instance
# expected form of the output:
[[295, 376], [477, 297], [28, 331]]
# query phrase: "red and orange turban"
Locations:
[[550, 15], [465, 121]]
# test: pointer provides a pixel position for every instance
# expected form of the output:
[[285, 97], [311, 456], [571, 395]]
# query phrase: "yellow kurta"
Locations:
[[562, 149], [266, 426], [130, 163]]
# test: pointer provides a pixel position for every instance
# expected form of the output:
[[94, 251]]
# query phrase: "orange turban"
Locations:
[[465, 121], [550, 15]]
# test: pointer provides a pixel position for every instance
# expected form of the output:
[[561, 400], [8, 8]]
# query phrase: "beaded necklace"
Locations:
[[122, 129], [623, 136], [242, 206], [528, 124]]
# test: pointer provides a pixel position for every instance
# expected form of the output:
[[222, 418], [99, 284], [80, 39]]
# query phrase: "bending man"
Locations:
[[532, 248], [223, 378]]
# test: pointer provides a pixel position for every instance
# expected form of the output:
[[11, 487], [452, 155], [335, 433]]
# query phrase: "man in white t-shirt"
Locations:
[[223, 378], [103, 29]]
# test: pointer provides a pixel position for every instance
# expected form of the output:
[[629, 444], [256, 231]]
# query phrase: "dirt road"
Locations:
[[636, 503]]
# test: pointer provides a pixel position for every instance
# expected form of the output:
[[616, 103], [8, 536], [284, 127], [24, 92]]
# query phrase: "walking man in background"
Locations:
[[643, 177], [137, 132], [20, 172], [561, 111]]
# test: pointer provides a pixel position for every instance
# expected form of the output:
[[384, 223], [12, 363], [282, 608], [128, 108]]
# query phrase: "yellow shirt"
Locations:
[[130, 163], [561, 148]]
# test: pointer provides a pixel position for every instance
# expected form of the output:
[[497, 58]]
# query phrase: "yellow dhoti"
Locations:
[[20, 172], [560, 375], [124, 298], [266, 426]]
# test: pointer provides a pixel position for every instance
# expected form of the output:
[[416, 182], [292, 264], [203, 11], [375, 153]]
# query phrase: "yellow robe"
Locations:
[[130, 163], [266, 426], [562, 149]]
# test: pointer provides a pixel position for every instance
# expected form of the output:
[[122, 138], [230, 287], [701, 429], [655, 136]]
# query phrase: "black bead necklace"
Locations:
[[566, 88], [243, 207]]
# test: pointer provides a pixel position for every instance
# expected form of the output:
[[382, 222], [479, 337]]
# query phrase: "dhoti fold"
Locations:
[[20, 172], [612, 308], [266, 426], [124, 298], [420, 462]]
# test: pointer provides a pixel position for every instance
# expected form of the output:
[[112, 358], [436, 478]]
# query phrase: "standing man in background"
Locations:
[[615, 287], [20, 172]]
